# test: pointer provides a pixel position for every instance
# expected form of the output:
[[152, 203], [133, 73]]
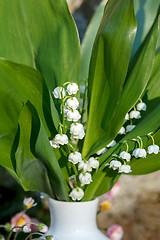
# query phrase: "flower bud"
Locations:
[[129, 128], [101, 151], [127, 116], [29, 202], [59, 92], [72, 88], [8, 226], [76, 194], [111, 144], [72, 103], [42, 228], [73, 116], [75, 157], [49, 237], [122, 131]]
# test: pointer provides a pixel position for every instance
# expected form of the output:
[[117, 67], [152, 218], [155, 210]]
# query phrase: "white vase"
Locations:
[[74, 220]]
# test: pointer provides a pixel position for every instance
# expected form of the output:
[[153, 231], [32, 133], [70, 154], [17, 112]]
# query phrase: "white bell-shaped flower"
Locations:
[[75, 157], [76, 194], [85, 166], [65, 110], [127, 116], [122, 131], [111, 144], [72, 88], [115, 164], [72, 103], [141, 106], [101, 151], [61, 139], [85, 178], [76, 128], [135, 114], [139, 153], [125, 155], [153, 149], [80, 136], [59, 92], [54, 144], [73, 115], [94, 163], [129, 128], [125, 169]]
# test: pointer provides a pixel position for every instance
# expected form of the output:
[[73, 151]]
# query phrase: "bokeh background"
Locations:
[[136, 207]]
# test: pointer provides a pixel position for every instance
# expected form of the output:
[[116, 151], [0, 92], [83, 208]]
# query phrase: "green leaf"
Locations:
[[149, 164], [28, 166], [41, 34], [108, 69], [152, 93], [145, 11], [45, 153], [18, 84], [88, 40]]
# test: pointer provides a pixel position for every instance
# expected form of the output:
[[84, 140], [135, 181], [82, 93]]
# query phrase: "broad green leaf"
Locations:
[[18, 84], [137, 78], [28, 167], [152, 93], [105, 178], [45, 153], [88, 41], [108, 69], [145, 11], [41, 34], [138, 75]]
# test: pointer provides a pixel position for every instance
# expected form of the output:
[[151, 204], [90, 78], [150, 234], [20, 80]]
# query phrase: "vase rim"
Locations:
[[74, 203]]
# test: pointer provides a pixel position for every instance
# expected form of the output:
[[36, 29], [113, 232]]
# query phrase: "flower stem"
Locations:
[[127, 147], [31, 234], [149, 135], [141, 142]]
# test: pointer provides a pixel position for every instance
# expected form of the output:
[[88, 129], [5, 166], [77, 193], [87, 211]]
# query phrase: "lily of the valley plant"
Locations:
[[74, 118]]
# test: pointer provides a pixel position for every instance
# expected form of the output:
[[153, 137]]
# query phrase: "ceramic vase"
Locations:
[[74, 220]]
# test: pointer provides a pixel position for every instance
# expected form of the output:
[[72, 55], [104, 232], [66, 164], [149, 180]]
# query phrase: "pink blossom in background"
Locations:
[[115, 190], [19, 220], [115, 232], [34, 228]]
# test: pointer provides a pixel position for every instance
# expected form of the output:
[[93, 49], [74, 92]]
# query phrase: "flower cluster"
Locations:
[[69, 105], [82, 167], [21, 222], [119, 162], [135, 113]]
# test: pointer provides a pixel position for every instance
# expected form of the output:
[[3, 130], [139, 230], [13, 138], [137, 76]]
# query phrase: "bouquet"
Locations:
[[74, 118]]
